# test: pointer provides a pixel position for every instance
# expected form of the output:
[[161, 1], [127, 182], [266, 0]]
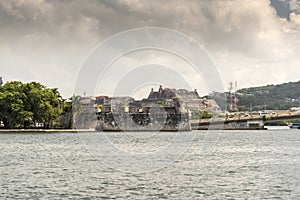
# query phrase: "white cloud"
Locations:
[[294, 5], [48, 40]]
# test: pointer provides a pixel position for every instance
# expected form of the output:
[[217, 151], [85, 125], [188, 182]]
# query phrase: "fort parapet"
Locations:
[[164, 110]]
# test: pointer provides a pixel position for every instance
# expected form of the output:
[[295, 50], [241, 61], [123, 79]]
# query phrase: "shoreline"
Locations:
[[45, 130], [93, 130]]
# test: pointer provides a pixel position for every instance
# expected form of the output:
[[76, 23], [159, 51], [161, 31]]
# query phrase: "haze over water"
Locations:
[[242, 165]]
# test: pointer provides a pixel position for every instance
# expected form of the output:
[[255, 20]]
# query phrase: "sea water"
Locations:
[[261, 164]]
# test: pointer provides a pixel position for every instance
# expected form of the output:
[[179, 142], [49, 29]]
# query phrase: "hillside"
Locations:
[[272, 97]]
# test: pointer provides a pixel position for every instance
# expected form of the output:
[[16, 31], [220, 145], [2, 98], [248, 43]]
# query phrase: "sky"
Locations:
[[251, 42]]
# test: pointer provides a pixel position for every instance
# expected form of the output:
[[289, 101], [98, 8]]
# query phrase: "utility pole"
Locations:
[[231, 97], [235, 98]]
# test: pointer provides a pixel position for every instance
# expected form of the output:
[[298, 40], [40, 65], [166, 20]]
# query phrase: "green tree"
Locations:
[[44, 103], [12, 109], [22, 104]]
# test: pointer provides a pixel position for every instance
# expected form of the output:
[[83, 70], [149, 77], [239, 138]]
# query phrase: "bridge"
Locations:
[[241, 123]]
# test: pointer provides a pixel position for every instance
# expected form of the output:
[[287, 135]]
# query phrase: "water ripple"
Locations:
[[243, 165]]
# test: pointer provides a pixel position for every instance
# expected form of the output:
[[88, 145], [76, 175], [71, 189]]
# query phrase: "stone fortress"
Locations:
[[163, 110]]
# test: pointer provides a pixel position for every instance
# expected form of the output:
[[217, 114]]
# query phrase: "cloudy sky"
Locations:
[[251, 42]]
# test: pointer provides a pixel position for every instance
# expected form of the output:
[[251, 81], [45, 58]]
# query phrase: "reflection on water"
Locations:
[[243, 164]]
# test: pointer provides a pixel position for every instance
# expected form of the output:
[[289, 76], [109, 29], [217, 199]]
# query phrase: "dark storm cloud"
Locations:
[[57, 35], [282, 8], [211, 22]]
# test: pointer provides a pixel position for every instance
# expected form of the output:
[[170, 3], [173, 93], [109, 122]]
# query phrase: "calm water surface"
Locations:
[[239, 165]]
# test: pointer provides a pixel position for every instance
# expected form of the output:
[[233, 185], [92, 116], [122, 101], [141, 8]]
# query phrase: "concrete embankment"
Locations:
[[226, 125]]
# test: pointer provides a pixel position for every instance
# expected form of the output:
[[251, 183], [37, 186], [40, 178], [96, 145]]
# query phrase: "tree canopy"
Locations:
[[25, 104], [270, 97], [281, 97]]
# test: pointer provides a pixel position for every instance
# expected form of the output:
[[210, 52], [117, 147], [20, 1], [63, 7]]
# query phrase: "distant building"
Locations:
[[182, 99], [160, 111], [120, 104], [87, 102], [101, 100], [1, 81]]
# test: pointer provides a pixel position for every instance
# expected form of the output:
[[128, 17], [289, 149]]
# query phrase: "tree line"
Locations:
[[27, 105], [270, 97]]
